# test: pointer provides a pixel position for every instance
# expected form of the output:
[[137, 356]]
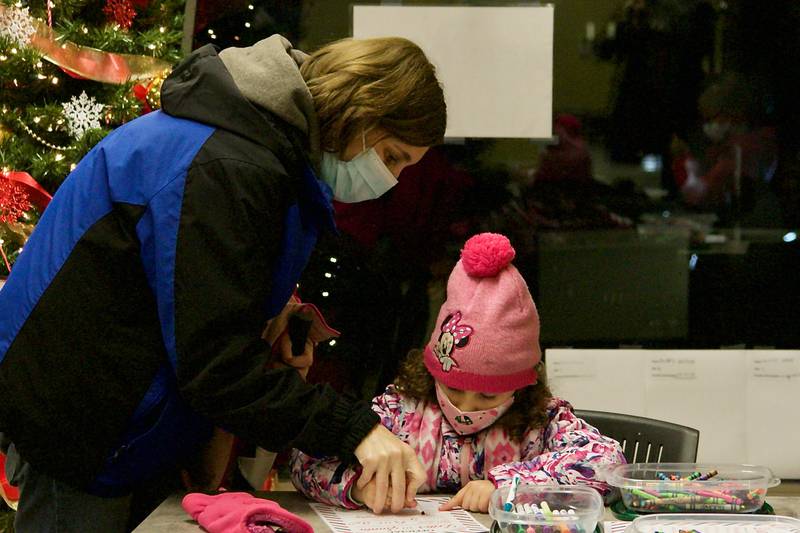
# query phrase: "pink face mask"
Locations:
[[468, 422]]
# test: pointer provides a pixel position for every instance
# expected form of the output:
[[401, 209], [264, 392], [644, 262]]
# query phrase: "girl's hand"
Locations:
[[473, 497]]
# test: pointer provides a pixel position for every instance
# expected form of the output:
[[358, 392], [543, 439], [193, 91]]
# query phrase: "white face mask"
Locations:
[[365, 177], [716, 131]]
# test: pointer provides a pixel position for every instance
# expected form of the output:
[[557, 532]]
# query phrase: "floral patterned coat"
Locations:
[[565, 451]]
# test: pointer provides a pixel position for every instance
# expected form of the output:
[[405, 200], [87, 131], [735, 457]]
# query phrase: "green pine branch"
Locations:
[[34, 131]]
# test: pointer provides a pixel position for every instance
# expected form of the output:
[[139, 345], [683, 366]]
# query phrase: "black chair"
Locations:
[[645, 440]]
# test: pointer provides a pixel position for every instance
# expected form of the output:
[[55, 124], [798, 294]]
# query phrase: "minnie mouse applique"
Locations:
[[454, 335]]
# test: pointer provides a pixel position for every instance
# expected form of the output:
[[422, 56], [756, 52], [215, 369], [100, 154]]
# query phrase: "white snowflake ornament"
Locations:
[[83, 113], [16, 24]]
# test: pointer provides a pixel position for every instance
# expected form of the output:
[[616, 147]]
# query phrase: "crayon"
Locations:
[[714, 494], [708, 476], [643, 494]]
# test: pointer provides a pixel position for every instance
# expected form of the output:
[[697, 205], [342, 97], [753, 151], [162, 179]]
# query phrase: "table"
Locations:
[[169, 517]]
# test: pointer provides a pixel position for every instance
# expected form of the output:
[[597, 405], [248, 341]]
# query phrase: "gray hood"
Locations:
[[268, 75]]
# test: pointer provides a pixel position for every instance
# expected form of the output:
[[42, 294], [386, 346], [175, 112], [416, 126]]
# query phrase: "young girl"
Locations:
[[472, 404]]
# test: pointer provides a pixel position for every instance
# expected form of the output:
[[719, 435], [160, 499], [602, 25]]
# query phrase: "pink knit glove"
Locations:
[[239, 512]]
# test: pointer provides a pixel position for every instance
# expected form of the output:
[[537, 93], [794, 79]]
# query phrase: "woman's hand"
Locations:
[[366, 496], [276, 334], [473, 497], [393, 467], [302, 363]]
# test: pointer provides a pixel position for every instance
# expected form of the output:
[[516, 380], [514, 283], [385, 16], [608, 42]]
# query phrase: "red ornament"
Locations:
[[121, 12], [14, 202], [140, 93]]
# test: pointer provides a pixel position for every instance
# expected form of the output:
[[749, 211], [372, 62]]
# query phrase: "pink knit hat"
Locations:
[[487, 333]]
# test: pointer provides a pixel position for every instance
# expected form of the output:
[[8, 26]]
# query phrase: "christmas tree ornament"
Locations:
[[120, 12], [82, 113], [17, 25], [8, 492], [37, 194], [39, 139], [14, 201]]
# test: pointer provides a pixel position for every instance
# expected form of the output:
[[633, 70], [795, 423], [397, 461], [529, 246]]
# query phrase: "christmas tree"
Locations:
[[70, 72]]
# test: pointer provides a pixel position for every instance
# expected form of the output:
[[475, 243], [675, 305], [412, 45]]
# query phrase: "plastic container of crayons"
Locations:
[[692, 487], [546, 509], [713, 523]]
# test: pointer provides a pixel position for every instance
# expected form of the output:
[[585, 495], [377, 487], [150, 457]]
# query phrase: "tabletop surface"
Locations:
[[170, 516]]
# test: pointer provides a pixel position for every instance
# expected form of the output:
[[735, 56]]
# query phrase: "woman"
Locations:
[[132, 322]]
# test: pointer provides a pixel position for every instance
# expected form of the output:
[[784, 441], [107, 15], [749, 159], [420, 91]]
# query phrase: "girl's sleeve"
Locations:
[[572, 453], [328, 479]]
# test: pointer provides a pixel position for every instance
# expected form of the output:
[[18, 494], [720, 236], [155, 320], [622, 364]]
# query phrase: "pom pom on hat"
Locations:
[[486, 254]]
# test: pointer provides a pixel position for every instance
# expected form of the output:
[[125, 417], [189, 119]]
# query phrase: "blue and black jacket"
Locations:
[[131, 323]]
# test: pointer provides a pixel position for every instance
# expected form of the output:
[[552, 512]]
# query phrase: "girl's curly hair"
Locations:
[[529, 409]]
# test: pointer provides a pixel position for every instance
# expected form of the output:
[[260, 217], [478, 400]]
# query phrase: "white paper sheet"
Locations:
[[702, 389], [773, 396], [425, 519], [743, 402], [495, 63], [600, 380]]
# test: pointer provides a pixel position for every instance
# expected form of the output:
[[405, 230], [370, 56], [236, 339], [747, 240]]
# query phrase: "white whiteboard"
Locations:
[[743, 402], [495, 63]]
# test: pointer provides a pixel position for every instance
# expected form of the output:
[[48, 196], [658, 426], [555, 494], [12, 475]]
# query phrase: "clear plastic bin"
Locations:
[[713, 523], [572, 509], [676, 487]]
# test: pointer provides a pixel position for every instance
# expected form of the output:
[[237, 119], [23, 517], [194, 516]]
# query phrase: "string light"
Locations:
[[55, 80], [250, 7], [333, 259], [162, 29], [59, 157], [328, 275], [246, 24], [35, 136], [13, 50], [3, 57], [325, 294]]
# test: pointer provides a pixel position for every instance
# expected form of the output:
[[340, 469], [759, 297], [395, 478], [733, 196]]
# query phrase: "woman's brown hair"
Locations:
[[358, 84], [529, 409]]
